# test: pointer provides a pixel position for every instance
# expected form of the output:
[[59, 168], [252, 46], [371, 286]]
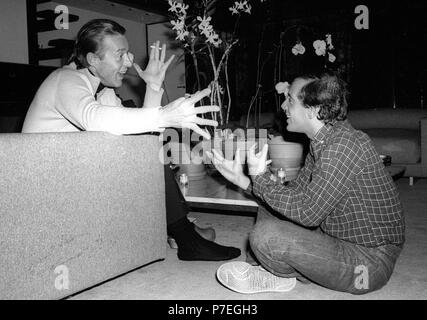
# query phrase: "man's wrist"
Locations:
[[244, 182], [154, 86]]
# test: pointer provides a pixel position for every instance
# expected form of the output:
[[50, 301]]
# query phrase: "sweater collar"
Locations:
[[94, 81]]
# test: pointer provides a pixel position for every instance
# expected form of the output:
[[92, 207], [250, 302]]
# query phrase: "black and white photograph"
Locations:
[[213, 156]]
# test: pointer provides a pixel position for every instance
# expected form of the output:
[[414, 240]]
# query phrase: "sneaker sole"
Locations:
[[222, 274]]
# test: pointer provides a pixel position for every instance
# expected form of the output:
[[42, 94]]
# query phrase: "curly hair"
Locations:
[[90, 37], [329, 93]]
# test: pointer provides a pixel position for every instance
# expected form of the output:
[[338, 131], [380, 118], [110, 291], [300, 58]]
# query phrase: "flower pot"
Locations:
[[189, 161], [286, 155]]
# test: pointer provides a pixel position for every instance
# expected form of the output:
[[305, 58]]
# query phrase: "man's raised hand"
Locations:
[[181, 113], [257, 163], [232, 170], [155, 72]]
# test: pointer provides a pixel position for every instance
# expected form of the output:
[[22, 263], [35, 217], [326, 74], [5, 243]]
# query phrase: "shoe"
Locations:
[[241, 277]]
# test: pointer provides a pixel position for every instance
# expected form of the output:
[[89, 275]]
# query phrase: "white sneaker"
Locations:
[[242, 277]]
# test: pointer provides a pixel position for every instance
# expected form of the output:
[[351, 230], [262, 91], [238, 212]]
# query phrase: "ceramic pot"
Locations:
[[286, 155], [189, 161]]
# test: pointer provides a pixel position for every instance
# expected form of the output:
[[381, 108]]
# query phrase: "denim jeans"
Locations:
[[289, 250]]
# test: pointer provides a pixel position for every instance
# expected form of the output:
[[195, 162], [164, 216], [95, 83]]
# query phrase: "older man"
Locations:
[[339, 223], [80, 96]]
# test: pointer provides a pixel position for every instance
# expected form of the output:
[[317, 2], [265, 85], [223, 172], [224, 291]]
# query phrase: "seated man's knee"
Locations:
[[265, 234]]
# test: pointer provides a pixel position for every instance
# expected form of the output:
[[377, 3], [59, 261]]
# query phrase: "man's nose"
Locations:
[[128, 60], [284, 105]]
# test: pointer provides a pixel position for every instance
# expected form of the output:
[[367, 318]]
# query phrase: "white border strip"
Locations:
[[249, 203]]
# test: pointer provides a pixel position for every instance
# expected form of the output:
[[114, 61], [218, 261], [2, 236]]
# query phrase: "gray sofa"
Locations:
[[400, 133], [77, 209]]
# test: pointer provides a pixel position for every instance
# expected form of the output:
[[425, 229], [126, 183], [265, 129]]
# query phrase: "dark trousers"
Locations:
[[176, 206]]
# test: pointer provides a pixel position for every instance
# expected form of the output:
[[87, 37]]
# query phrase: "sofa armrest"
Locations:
[[84, 206]]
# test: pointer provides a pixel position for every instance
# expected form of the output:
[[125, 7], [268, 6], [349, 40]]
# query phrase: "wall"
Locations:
[[135, 33], [13, 31]]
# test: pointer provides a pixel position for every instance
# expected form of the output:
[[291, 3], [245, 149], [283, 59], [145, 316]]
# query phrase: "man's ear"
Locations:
[[313, 112], [92, 59]]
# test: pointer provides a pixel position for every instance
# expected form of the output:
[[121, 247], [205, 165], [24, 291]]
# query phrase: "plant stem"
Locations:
[[228, 90], [196, 66]]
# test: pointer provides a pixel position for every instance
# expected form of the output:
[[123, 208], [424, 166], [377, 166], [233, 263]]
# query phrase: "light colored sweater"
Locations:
[[65, 102]]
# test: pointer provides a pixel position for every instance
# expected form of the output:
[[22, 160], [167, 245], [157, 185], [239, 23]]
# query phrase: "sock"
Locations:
[[191, 246]]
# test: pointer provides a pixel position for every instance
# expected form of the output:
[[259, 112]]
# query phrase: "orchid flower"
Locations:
[[173, 6], [241, 6], [298, 49], [282, 87], [233, 10], [181, 35], [178, 25], [320, 47]]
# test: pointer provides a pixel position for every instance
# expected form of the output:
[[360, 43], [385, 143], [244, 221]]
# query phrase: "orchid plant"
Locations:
[[321, 47], [199, 38]]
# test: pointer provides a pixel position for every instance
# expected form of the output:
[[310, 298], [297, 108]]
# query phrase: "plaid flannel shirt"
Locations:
[[343, 188]]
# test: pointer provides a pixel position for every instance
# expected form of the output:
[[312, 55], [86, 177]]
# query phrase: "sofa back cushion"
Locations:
[[386, 118], [403, 145]]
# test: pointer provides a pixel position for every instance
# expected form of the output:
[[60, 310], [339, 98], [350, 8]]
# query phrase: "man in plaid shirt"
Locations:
[[339, 223]]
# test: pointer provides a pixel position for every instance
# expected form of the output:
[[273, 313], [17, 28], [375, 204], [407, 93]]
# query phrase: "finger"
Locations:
[[206, 122], [218, 155], [205, 109], [264, 151], [174, 104], [163, 53], [217, 164], [138, 69], [199, 95], [157, 49], [251, 150], [166, 65], [237, 157], [209, 155], [198, 130], [152, 51], [268, 162]]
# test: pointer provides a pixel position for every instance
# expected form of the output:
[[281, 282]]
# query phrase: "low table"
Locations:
[[396, 172], [213, 191]]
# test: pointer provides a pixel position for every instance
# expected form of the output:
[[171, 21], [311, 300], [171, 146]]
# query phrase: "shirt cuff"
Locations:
[[153, 98], [249, 189]]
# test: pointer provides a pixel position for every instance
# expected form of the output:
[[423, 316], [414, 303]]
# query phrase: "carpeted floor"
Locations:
[[174, 279]]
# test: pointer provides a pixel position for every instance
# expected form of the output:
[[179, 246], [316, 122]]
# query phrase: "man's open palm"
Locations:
[[182, 113], [156, 69]]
